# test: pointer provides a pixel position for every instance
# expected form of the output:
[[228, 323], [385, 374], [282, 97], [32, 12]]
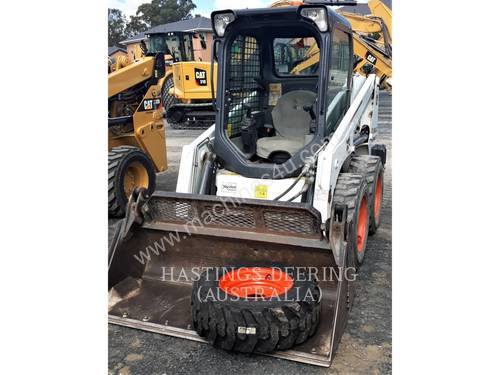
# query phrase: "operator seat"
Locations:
[[291, 123]]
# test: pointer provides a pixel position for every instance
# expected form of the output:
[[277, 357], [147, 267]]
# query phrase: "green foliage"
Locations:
[[159, 12], [116, 27], [135, 26]]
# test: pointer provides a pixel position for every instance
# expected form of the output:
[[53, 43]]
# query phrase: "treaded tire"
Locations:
[[372, 168], [119, 158], [168, 100], [279, 324], [350, 190]]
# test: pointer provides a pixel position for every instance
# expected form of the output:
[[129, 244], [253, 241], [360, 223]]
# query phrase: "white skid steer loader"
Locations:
[[274, 202]]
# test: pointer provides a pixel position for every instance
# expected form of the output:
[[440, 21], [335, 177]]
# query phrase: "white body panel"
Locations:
[[362, 112], [191, 162], [330, 160], [230, 184]]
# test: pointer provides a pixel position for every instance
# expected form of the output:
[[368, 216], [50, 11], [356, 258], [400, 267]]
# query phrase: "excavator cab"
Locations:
[[177, 46]]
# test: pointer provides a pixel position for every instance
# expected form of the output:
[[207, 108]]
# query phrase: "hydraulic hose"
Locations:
[[304, 189], [208, 166], [308, 166], [363, 138], [304, 171], [214, 56]]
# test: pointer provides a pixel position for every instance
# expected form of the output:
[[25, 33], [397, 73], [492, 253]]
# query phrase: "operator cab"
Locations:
[[176, 46], [284, 69]]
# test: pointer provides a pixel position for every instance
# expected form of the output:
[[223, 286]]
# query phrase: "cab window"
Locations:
[[338, 74], [296, 56]]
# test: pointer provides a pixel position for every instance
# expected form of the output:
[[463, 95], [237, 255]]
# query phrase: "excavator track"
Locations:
[[190, 116]]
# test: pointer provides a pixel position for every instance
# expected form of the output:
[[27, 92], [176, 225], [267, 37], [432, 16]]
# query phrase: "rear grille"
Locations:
[[219, 212]]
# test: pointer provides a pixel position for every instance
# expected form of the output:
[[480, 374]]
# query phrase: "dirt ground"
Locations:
[[366, 344]]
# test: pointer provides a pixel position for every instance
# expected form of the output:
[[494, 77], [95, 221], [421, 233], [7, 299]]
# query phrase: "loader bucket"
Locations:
[[151, 263]]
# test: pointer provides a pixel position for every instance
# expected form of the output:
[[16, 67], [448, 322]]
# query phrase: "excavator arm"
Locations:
[[380, 10], [372, 60], [372, 38]]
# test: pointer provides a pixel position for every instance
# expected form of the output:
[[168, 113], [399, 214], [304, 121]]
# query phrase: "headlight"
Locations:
[[317, 15], [220, 22]]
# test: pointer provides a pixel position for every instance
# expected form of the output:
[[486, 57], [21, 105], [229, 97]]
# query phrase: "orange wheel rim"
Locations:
[[362, 225], [378, 198], [255, 282]]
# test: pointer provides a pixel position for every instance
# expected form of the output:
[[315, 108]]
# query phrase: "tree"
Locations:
[[116, 26], [135, 26], [159, 12]]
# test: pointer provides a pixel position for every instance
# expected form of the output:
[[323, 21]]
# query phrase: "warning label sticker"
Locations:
[[261, 191], [274, 93], [247, 330]]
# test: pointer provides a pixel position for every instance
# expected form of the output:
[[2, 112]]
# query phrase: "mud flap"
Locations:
[[172, 237]]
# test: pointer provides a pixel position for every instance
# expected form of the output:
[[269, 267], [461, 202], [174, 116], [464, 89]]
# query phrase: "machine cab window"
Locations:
[[267, 118], [296, 56], [284, 86], [175, 46], [338, 75]]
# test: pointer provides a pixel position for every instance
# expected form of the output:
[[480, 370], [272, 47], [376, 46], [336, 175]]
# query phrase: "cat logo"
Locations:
[[150, 104], [370, 58], [200, 77]]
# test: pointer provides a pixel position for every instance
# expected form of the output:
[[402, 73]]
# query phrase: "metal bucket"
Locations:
[[165, 240]]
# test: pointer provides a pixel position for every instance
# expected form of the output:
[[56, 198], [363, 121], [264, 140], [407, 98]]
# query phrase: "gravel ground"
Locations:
[[365, 347]]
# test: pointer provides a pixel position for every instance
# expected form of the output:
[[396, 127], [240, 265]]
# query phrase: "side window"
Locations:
[[338, 73], [296, 56], [244, 74]]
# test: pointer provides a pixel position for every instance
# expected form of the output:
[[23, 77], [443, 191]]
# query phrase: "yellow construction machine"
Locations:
[[164, 81], [372, 43], [136, 132], [186, 93], [117, 63]]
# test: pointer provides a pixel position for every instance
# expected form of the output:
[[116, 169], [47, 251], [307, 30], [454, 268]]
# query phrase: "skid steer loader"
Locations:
[[256, 249], [136, 133]]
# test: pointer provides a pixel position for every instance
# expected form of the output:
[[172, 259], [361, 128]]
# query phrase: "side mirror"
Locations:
[[203, 42], [144, 48]]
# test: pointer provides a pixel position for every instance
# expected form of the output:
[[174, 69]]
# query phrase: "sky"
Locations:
[[203, 7]]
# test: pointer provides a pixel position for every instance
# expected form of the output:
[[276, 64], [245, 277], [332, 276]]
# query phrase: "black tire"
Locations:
[[351, 189], [275, 323], [119, 160], [372, 168], [168, 100]]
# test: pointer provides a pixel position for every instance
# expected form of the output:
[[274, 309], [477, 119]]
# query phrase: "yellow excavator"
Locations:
[[372, 42], [187, 95]]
